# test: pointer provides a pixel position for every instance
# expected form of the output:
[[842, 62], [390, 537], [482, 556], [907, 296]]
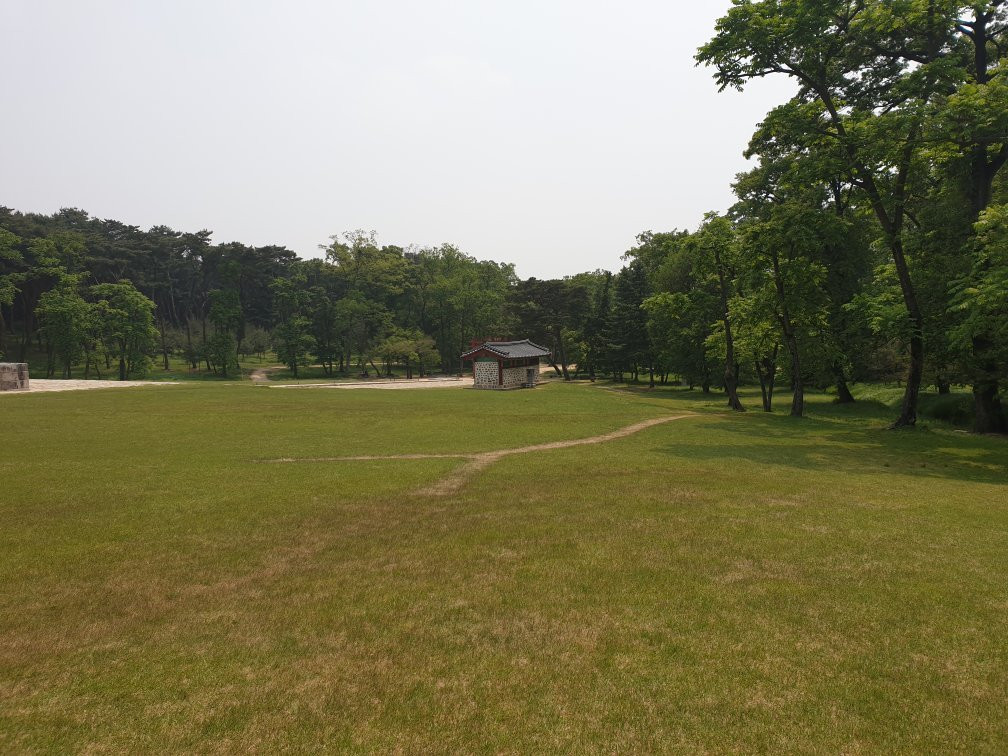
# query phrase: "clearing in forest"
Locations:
[[720, 583]]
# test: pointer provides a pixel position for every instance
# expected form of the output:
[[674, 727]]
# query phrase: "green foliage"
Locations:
[[68, 324], [126, 319], [552, 313], [410, 348], [980, 298], [863, 246], [221, 349], [904, 105], [293, 342], [626, 330]]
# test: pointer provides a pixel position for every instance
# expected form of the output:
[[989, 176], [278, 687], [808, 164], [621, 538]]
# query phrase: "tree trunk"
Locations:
[[206, 358], [767, 401], [911, 396], [989, 415], [790, 340], [767, 372], [164, 344], [892, 227], [731, 384], [563, 357], [908, 413], [189, 347], [844, 395], [25, 325]]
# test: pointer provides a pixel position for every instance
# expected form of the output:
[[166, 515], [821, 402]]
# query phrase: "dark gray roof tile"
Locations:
[[511, 350]]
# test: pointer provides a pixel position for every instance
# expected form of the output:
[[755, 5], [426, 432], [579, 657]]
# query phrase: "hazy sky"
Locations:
[[547, 134]]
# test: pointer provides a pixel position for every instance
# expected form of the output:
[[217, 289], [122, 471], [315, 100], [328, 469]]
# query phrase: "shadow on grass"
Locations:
[[831, 436]]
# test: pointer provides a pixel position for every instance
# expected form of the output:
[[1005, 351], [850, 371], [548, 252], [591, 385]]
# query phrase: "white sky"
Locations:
[[547, 134]]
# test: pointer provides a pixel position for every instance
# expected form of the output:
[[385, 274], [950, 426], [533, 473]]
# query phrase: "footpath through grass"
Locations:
[[723, 582]]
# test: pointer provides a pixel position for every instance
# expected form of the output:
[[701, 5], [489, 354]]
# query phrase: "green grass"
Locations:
[[724, 582], [180, 370], [955, 408]]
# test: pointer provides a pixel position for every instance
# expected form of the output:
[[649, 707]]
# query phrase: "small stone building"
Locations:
[[505, 364], [13, 376]]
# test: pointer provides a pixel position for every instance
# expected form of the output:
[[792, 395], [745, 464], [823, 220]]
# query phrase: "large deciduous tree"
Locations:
[[872, 105], [912, 96]]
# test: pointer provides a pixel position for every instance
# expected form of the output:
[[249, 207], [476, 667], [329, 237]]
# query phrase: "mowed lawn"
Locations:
[[721, 582]]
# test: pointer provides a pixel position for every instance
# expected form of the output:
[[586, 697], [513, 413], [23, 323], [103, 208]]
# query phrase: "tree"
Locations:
[[972, 121], [66, 321], [684, 308], [10, 258], [631, 348], [873, 105], [256, 342], [596, 349], [225, 314], [716, 244], [783, 226], [293, 342], [982, 297], [550, 312], [126, 320], [292, 339]]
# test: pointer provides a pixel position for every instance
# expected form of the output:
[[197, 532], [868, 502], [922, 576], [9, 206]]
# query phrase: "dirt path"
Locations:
[[454, 481], [261, 375]]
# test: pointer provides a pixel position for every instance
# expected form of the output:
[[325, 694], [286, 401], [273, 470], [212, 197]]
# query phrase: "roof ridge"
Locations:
[[517, 349]]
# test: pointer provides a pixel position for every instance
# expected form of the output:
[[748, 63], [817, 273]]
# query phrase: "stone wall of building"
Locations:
[[13, 376], [486, 374], [518, 376]]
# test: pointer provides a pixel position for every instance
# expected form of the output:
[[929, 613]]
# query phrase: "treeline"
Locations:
[[869, 242], [876, 215], [184, 295]]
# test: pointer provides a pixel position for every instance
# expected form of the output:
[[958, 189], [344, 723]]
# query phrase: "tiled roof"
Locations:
[[510, 350]]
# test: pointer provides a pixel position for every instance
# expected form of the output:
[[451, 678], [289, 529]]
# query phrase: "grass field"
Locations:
[[721, 582]]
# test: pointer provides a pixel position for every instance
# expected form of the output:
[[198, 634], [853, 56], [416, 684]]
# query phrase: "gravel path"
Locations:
[[39, 385], [401, 383]]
